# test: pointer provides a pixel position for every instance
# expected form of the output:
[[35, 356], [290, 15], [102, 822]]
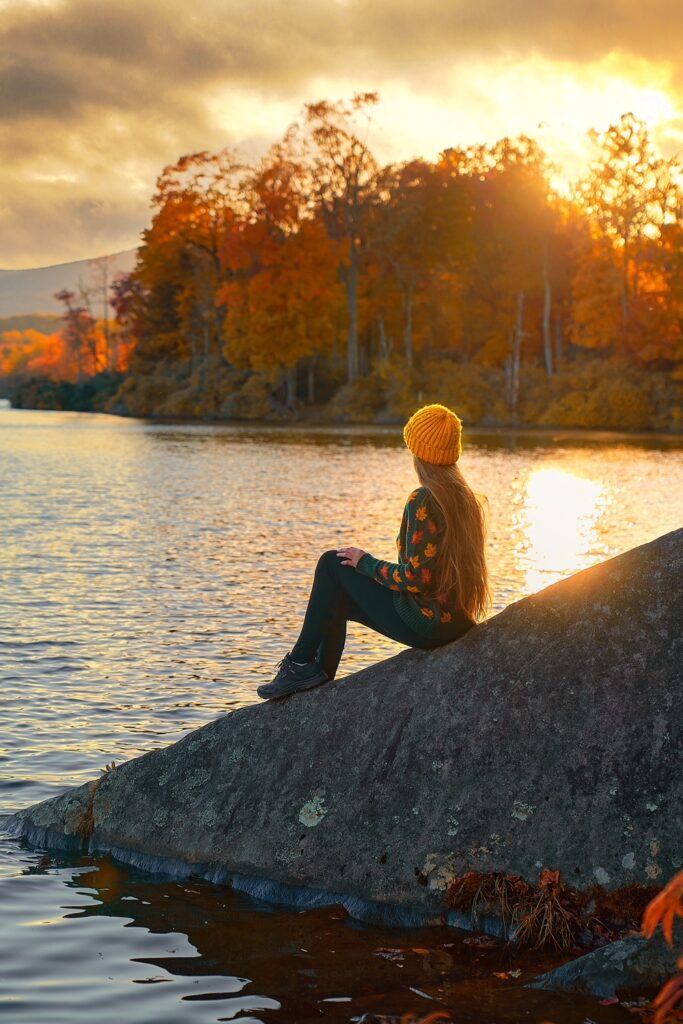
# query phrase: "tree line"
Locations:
[[318, 282]]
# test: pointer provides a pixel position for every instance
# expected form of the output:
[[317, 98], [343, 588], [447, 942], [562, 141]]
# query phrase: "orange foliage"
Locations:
[[465, 275], [31, 353], [285, 309], [664, 909]]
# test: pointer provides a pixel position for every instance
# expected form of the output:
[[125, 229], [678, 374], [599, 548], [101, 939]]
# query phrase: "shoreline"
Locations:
[[327, 426], [381, 913]]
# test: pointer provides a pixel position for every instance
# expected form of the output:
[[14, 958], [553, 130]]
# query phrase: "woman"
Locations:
[[436, 591]]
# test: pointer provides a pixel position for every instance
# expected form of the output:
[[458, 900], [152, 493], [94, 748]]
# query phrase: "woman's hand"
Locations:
[[350, 556]]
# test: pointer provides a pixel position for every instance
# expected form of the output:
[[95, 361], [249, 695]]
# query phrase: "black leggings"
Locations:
[[340, 594]]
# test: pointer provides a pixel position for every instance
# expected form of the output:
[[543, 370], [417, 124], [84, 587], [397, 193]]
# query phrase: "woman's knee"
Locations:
[[328, 561]]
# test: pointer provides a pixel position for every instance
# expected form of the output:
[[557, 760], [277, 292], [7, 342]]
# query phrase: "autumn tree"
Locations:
[[97, 291], [316, 260], [342, 186], [280, 285], [631, 194], [32, 353], [655, 329], [418, 227], [285, 313], [81, 335], [596, 313], [197, 202], [127, 300], [507, 300]]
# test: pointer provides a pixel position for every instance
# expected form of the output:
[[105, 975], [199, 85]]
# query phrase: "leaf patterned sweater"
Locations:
[[412, 577]]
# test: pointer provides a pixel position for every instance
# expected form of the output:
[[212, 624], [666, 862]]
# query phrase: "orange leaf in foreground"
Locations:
[[664, 908], [669, 1002]]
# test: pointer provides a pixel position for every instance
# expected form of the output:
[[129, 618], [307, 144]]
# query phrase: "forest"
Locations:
[[319, 285]]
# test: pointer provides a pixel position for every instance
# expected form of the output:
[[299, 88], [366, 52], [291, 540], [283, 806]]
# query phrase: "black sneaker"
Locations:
[[291, 677]]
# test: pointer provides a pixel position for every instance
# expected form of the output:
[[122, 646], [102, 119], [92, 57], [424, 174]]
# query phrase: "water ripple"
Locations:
[[151, 578]]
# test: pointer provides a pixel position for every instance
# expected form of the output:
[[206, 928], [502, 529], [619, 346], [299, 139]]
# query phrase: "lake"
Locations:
[[152, 577]]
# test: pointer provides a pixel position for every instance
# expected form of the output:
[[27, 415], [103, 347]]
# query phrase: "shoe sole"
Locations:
[[308, 684]]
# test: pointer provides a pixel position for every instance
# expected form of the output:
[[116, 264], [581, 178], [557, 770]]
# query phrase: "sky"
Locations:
[[96, 97]]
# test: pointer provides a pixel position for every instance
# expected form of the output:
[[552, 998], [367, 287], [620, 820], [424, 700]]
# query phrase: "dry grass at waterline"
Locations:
[[550, 915], [495, 893], [547, 917], [540, 917]]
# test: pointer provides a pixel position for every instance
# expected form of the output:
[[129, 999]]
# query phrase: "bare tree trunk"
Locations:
[[289, 376], [204, 369], [101, 287], [310, 381], [514, 360], [386, 345], [105, 309], [547, 307], [88, 338], [363, 359], [350, 276]]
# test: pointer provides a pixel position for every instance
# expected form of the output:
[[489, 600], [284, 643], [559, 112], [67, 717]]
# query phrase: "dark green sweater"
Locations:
[[412, 577]]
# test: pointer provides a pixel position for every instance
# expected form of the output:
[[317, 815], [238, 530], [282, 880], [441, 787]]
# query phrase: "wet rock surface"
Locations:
[[548, 736], [628, 965]]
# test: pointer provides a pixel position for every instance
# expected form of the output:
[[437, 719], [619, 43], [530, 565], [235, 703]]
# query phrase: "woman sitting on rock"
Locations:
[[436, 591]]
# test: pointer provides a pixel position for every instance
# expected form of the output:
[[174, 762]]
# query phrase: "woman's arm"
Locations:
[[415, 574]]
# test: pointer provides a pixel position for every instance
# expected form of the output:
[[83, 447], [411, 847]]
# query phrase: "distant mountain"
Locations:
[[32, 290], [46, 323]]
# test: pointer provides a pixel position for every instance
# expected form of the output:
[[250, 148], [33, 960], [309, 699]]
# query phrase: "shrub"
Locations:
[[250, 401], [594, 394], [93, 394], [471, 390], [144, 395], [356, 403], [395, 381]]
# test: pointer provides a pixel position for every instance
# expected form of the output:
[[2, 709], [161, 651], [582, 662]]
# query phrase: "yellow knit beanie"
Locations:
[[433, 434]]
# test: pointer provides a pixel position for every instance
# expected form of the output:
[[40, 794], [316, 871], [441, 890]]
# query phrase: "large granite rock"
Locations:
[[549, 736]]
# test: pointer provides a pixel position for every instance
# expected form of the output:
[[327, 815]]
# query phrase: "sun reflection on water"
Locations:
[[558, 520]]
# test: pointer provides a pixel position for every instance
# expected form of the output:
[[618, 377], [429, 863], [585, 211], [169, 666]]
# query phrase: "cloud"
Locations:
[[585, 30], [83, 223], [96, 98], [149, 54]]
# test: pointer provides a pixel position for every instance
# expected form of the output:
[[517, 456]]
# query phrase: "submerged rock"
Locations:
[[548, 736], [623, 967]]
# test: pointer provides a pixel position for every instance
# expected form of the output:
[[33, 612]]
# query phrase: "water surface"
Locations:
[[152, 576]]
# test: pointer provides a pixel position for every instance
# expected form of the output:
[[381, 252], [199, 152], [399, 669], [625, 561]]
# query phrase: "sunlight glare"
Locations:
[[558, 517]]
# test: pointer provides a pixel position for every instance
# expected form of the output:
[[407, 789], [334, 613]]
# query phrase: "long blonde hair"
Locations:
[[461, 563]]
